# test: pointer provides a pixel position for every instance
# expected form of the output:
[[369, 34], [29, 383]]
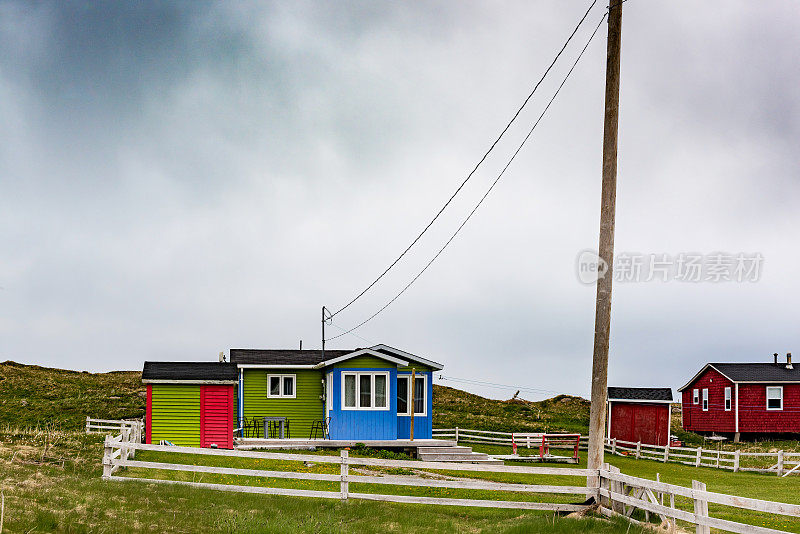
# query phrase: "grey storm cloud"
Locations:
[[180, 178]]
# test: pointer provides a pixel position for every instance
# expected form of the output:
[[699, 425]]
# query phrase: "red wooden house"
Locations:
[[639, 414], [743, 398]]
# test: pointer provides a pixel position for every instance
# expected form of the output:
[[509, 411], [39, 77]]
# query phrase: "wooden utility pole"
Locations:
[[602, 320]]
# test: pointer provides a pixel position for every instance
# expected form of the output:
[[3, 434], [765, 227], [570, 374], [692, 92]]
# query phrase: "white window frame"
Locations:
[[766, 395], [705, 399], [410, 398], [728, 399], [281, 395], [372, 407], [696, 396]]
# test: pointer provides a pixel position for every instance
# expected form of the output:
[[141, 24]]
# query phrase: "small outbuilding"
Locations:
[[190, 403], [639, 414]]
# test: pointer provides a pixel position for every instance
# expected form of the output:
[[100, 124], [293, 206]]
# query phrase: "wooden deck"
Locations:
[[261, 443]]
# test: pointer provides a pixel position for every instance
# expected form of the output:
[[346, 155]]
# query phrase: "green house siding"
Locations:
[[417, 366], [176, 414], [364, 362], [301, 411]]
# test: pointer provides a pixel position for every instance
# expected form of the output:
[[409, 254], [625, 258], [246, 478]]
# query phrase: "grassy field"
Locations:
[[32, 395], [61, 491]]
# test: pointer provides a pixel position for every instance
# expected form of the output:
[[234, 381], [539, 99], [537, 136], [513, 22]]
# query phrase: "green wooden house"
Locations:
[[361, 394]]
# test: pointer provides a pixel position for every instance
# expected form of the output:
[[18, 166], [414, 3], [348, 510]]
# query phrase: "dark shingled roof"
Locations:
[[643, 394], [190, 371], [758, 372], [283, 357]]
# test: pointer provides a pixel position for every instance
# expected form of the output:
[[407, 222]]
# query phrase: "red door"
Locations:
[[640, 422], [216, 416]]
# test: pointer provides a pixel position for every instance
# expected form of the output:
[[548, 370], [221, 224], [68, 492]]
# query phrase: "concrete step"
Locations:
[[444, 450]]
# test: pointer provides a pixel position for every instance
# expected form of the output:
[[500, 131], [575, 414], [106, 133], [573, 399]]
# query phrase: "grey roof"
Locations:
[[190, 371], [283, 356], [640, 394], [758, 372]]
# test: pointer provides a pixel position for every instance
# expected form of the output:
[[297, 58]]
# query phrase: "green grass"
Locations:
[[64, 493], [33, 395], [754, 485]]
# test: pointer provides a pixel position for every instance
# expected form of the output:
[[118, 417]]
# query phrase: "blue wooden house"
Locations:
[[362, 394]]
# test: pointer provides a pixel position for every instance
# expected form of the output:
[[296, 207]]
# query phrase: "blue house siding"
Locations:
[[423, 425], [363, 424]]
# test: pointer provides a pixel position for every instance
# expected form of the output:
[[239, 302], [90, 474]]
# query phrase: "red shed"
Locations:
[[737, 398], [639, 414]]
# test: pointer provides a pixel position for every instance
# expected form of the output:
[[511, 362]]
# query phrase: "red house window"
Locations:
[[727, 399], [696, 396], [774, 398], [705, 399]]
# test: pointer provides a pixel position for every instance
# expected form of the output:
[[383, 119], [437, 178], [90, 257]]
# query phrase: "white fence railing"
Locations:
[[136, 426], [781, 463], [617, 493], [622, 494], [118, 454]]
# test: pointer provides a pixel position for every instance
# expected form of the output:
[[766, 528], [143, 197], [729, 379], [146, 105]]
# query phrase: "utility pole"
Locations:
[[602, 320]]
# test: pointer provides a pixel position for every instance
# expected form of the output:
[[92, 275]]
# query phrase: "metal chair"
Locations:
[[320, 426], [286, 432]]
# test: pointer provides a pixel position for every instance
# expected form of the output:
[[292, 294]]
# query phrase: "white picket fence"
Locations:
[[781, 463], [617, 493]]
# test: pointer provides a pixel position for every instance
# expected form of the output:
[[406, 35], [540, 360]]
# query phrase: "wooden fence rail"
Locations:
[[113, 461], [784, 463], [617, 493]]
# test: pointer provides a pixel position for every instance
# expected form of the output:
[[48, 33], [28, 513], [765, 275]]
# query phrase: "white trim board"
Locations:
[[434, 365], [361, 352]]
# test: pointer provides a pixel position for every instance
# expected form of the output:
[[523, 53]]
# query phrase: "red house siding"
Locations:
[[716, 419], [753, 413], [634, 421]]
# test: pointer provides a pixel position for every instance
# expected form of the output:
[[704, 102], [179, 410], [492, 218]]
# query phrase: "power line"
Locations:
[[474, 169], [499, 176]]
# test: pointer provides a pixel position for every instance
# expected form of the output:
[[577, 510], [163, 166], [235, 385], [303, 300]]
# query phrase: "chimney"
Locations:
[[301, 344], [776, 358], [221, 356], [789, 360]]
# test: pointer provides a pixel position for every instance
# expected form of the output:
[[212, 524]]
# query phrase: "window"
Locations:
[[365, 391], [403, 395], [696, 397], [727, 399], [774, 398], [281, 386], [705, 399]]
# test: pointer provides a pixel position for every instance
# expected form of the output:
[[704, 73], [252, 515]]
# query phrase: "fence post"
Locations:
[[616, 487], [344, 484], [736, 461], [614, 446], [699, 456], [638, 450], [700, 508], [602, 483], [780, 463], [666, 452], [456, 435], [87, 424], [107, 451]]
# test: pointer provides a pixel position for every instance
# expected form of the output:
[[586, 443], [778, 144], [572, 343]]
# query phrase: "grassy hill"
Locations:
[[453, 407], [32, 395]]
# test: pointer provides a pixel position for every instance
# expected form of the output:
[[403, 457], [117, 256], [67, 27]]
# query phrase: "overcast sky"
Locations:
[[177, 179]]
